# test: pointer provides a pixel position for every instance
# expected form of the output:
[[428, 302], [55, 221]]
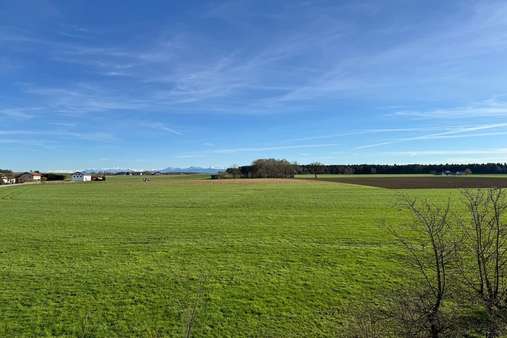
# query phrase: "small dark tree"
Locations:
[[234, 171], [316, 168]]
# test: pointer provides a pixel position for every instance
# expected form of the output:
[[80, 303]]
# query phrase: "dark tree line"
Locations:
[[282, 168], [53, 177], [358, 169]]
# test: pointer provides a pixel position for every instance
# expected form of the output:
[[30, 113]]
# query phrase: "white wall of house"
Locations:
[[80, 177], [7, 180]]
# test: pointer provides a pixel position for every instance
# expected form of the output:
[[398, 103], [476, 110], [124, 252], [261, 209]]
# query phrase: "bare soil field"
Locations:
[[400, 182]]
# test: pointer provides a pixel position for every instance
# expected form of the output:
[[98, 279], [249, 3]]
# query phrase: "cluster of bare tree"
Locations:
[[458, 264]]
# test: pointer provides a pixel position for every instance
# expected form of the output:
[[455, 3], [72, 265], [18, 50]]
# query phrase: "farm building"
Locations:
[[28, 177], [7, 180], [81, 177]]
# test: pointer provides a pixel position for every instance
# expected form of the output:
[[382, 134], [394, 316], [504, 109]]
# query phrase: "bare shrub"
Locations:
[[483, 253]]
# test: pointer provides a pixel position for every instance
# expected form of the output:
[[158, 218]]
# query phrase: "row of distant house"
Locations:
[[35, 177], [457, 173], [21, 178]]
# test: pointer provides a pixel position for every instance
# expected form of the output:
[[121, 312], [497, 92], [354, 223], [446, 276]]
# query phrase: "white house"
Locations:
[[81, 177], [7, 180]]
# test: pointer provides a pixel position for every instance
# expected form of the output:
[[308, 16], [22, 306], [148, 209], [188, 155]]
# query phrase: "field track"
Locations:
[[399, 182], [256, 181]]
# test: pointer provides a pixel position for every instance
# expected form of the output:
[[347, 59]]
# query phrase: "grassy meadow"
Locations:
[[253, 258]]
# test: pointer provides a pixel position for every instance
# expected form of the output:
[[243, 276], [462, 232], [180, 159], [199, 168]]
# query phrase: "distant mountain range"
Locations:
[[197, 170]]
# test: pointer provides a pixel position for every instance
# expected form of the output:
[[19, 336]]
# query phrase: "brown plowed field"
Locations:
[[400, 182]]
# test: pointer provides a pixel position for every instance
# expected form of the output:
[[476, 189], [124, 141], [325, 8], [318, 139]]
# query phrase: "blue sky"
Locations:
[[215, 83]]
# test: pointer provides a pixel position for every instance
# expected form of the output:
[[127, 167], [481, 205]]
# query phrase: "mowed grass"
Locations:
[[126, 258]]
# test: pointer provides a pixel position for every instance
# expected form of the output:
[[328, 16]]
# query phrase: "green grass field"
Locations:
[[127, 258]]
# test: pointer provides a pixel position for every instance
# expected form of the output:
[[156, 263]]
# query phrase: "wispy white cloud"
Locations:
[[364, 132], [83, 99], [160, 127], [14, 141], [272, 148], [90, 136], [454, 152], [456, 132], [189, 156], [263, 149], [64, 124], [490, 155], [43, 144], [18, 113], [487, 108]]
